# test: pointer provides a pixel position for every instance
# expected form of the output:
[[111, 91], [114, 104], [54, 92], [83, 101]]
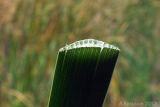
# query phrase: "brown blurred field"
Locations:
[[32, 31]]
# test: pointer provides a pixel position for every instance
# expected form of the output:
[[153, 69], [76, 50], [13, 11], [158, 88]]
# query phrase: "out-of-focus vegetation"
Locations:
[[31, 32]]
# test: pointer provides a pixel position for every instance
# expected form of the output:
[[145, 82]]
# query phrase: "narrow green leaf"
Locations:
[[83, 73]]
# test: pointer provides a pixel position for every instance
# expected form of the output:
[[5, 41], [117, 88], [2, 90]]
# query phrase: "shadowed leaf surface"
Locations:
[[83, 73]]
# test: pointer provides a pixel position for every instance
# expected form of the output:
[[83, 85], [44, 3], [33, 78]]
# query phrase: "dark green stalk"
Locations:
[[83, 73]]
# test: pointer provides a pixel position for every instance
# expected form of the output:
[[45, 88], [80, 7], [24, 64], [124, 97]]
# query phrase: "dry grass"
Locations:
[[32, 31]]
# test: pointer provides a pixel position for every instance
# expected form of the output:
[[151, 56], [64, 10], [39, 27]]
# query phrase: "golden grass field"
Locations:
[[32, 31]]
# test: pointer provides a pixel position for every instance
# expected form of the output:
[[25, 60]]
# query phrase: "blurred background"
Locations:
[[32, 31]]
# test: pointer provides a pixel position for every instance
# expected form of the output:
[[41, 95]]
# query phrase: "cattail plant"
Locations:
[[83, 73]]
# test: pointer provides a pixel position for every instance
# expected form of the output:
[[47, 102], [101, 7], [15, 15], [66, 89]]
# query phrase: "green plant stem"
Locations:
[[83, 73]]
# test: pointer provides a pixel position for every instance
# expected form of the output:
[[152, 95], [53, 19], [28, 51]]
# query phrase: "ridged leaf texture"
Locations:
[[83, 73]]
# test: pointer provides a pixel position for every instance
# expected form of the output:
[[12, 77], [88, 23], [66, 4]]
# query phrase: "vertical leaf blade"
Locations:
[[83, 73]]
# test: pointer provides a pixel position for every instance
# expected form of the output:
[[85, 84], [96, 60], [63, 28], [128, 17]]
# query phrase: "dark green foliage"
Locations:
[[31, 32], [82, 75]]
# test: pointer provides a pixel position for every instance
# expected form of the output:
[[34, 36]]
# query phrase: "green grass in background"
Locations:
[[32, 31]]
